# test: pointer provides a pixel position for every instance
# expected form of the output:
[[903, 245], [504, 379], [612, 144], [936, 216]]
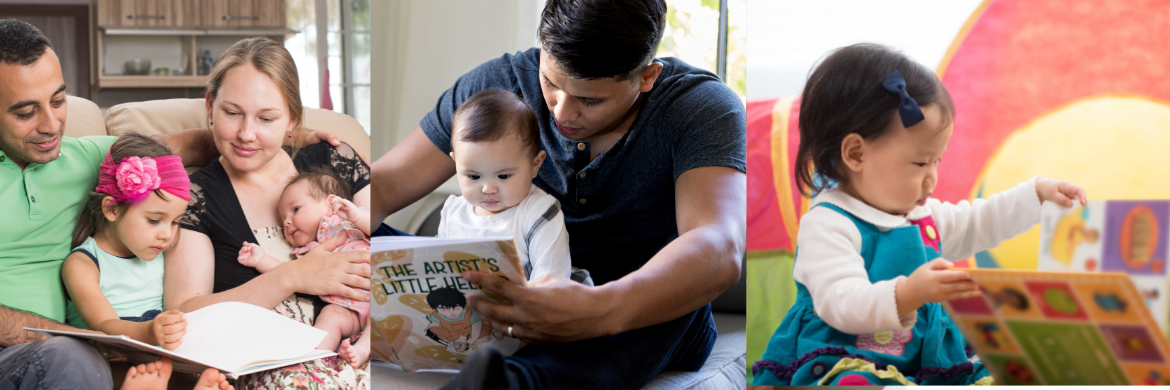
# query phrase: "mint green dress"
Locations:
[[133, 286]]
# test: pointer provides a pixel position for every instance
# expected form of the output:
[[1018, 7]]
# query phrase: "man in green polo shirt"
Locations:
[[44, 181]]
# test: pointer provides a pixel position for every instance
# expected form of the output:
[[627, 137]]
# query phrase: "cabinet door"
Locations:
[[115, 13], [232, 13], [271, 13], [187, 13], [152, 13]]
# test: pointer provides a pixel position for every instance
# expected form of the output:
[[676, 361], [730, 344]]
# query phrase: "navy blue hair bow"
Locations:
[[907, 106]]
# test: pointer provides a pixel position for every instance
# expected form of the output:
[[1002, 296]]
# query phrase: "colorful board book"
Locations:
[[1062, 328], [1127, 236], [420, 315]]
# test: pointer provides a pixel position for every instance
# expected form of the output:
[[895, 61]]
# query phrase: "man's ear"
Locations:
[[853, 149], [646, 81]]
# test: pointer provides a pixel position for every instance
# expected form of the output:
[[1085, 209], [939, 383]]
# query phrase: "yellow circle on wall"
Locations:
[[1112, 145]]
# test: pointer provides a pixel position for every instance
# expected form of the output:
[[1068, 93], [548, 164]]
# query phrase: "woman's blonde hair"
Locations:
[[272, 59]]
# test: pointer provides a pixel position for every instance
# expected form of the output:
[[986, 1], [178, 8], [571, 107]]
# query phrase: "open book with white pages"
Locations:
[[233, 337]]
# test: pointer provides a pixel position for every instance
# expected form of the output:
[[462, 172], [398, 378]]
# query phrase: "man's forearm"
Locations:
[[13, 321], [685, 275], [405, 174], [195, 146]]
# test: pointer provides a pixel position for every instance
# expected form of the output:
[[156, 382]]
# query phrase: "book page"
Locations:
[[1062, 328], [232, 335]]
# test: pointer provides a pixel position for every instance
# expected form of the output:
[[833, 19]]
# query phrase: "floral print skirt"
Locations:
[[328, 373]]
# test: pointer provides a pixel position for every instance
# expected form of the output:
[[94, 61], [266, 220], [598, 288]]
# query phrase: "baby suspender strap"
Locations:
[[548, 215]]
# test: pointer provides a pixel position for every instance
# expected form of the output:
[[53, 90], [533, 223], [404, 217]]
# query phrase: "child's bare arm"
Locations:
[[351, 212], [252, 255], [81, 277]]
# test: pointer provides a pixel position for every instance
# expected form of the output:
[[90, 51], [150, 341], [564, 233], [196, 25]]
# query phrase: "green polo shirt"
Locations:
[[41, 205]]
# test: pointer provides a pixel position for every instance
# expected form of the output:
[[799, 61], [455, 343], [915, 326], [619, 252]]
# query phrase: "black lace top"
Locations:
[[215, 210]]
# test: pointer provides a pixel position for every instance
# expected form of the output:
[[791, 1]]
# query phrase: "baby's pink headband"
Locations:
[[135, 177]]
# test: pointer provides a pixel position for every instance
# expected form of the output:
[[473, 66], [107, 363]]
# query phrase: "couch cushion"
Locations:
[[171, 115], [83, 118], [726, 368]]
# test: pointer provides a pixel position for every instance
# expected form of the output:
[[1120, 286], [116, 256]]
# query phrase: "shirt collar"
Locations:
[[868, 213]]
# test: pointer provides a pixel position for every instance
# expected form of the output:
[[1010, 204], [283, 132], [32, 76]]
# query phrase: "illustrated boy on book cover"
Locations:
[[420, 316]]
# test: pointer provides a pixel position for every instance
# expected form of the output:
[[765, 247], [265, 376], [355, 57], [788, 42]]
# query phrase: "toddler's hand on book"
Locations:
[[934, 281], [1059, 191], [250, 254], [169, 328]]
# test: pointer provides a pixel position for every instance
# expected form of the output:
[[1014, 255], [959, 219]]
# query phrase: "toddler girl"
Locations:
[[315, 208], [870, 266], [114, 276]]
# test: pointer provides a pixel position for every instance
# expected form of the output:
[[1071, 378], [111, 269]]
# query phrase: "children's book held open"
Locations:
[[420, 314], [1127, 236], [233, 337], [1062, 328]]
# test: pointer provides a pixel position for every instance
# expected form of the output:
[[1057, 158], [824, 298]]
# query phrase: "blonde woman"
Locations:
[[254, 113]]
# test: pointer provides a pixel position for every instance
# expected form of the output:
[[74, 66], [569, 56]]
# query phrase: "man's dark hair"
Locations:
[[594, 39], [21, 43], [492, 114], [446, 297]]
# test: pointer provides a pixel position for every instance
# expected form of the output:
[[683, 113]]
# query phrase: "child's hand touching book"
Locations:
[[169, 328], [1059, 191], [934, 281]]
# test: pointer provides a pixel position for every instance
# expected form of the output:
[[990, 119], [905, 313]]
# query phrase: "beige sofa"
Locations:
[[171, 115]]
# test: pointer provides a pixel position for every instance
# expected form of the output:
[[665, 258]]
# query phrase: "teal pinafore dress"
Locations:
[[807, 351]]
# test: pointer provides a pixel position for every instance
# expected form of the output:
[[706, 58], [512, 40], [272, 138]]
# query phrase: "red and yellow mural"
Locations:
[[1072, 90]]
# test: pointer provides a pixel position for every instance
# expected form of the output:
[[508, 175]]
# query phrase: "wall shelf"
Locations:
[[152, 81]]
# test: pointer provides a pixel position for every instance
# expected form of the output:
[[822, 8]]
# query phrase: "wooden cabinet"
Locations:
[[133, 13], [191, 13], [173, 33], [245, 13]]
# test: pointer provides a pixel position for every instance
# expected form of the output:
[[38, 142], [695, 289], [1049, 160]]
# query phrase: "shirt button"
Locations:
[[930, 232], [581, 175], [1, 158], [34, 199], [581, 146]]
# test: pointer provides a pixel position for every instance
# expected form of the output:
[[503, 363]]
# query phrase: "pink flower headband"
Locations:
[[135, 177]]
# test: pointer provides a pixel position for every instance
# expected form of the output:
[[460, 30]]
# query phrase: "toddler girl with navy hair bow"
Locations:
[[871, 252]]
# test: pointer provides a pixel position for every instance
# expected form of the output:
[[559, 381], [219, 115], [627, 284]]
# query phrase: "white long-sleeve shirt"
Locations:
[[830, 266]]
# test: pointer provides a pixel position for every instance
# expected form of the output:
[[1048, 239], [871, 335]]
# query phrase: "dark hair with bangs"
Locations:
[[492, 114], [595, 39], [844, 95]]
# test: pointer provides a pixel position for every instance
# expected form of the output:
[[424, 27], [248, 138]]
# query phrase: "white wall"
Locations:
[[788, 36], [427, 44], [421, 47]]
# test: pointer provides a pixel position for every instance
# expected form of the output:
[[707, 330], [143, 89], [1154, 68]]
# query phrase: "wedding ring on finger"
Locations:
[[510, 331]]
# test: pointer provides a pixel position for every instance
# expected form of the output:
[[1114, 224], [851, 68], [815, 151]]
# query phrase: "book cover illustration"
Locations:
[[1062, 328], [1127, 236], [420, 313]]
